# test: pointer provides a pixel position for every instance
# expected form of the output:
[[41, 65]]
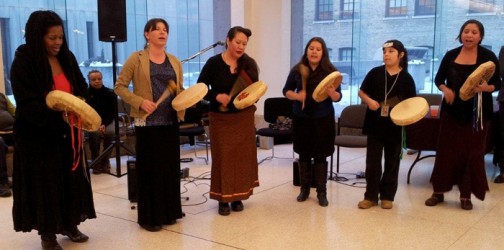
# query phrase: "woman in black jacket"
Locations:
[[48, 195]]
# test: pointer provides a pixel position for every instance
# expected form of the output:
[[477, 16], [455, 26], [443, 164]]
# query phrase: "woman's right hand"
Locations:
[[148, 106], [373, 105], [449, 95], [301, 95], [224, 99]]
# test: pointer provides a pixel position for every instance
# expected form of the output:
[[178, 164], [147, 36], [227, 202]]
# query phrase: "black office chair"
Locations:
[[349, 131], [193, 125], [273, 108]]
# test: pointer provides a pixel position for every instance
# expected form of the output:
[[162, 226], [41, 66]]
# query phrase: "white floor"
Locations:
[[273, 219]]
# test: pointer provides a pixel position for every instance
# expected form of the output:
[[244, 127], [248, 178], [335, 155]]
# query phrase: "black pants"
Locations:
[[499, 137], [3, 162], [383, 183], [95, 141]]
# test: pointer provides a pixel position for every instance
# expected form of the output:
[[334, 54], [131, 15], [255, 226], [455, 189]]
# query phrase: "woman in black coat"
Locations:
[[48, 195]]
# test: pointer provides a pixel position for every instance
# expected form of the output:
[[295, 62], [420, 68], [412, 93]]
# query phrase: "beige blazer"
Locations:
[[137, 69]]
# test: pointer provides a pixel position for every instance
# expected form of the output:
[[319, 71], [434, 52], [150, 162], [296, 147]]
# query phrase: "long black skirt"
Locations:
[[158, 168], [48, 195]]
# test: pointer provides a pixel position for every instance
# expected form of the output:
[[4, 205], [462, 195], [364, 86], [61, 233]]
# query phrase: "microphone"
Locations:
[[221, 43]]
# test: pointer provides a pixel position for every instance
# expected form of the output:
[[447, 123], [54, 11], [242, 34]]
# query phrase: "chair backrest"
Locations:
[[195, 113], [432, 99], [352, 116], [275, 107]]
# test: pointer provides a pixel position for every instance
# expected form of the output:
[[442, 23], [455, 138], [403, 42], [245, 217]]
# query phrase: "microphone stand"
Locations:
[[203, 51], [190, 58]]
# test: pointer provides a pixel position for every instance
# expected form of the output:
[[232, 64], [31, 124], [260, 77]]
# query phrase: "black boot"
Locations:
[[320, 172], [49, 242], [500, 177], [305, 180]]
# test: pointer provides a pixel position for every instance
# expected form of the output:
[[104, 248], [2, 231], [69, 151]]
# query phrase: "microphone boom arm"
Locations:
[[203, 51]]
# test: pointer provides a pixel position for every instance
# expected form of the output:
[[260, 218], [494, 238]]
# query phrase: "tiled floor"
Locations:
[[273, 219]]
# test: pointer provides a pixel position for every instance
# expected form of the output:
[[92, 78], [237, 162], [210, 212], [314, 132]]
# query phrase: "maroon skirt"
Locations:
[[234, 155], [460, 158]]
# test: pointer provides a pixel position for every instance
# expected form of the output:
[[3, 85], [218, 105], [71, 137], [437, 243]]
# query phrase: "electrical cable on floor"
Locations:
[[194, 180], [343, 180]]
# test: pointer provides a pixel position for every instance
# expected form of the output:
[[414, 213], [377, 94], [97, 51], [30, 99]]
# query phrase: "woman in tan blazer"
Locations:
[[157, 79]]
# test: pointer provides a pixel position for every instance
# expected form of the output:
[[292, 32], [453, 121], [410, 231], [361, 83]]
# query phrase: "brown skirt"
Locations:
[[460, 158], [234, 155]]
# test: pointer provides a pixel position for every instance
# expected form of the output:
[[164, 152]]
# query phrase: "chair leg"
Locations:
[[195, 152], [338, 159]]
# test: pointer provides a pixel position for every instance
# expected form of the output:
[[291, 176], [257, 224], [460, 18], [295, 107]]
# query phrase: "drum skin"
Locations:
[[250, 95], [409, 111], [484, 72], [62, 101], [320, 93], [190, 96]]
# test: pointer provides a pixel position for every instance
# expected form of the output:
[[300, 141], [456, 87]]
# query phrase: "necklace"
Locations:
[[388, 92]]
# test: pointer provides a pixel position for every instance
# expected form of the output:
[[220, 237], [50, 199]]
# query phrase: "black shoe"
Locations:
[[237, 206], [171, 222], [466, 204], [303, 195], [75, 235], [499, 179], [151, 228], [322, 199], [5, 191], [224, 208], [49, 242], [434, 200]]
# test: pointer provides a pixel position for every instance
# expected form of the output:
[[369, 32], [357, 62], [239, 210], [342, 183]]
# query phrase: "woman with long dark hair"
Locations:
[[232, 131], [462, 141], [48, 195], [313, 122]]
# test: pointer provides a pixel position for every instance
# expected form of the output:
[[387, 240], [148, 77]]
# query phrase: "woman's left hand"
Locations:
[[331, 91], [483, 87]]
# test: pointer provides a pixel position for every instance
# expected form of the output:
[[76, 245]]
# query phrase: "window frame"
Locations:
[[324, 10], [403, 9]]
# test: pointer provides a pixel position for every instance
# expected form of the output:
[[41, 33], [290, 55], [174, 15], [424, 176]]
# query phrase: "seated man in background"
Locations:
[[102, 100], [7, 111]]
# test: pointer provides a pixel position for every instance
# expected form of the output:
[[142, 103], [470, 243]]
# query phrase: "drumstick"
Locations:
[[166, 93], [304, 75]]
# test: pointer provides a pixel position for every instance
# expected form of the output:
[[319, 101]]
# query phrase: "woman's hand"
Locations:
[[331, 91], [148, 106], [224, 99], [483, 87], [449, 95], [373, 105], [301, 95]]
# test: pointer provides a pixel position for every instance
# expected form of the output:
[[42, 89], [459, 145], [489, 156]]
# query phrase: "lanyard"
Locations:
[[388, 92]]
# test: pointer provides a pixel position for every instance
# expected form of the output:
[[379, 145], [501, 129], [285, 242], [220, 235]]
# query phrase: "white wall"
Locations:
[[269, 44]]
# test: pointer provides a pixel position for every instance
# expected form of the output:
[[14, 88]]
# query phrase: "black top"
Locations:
[[102, 100], [217, 76], [312, 108], [453, 75], [374, 86]]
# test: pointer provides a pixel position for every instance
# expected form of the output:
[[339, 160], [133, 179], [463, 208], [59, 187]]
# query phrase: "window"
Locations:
[[90, 39], [345, 54], [396, 8], [348, 9], [481, 6], [324, 10], [425, 7], [7, 57]]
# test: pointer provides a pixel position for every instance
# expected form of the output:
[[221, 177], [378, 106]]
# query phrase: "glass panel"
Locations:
[[427, 38], [187, 20]]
